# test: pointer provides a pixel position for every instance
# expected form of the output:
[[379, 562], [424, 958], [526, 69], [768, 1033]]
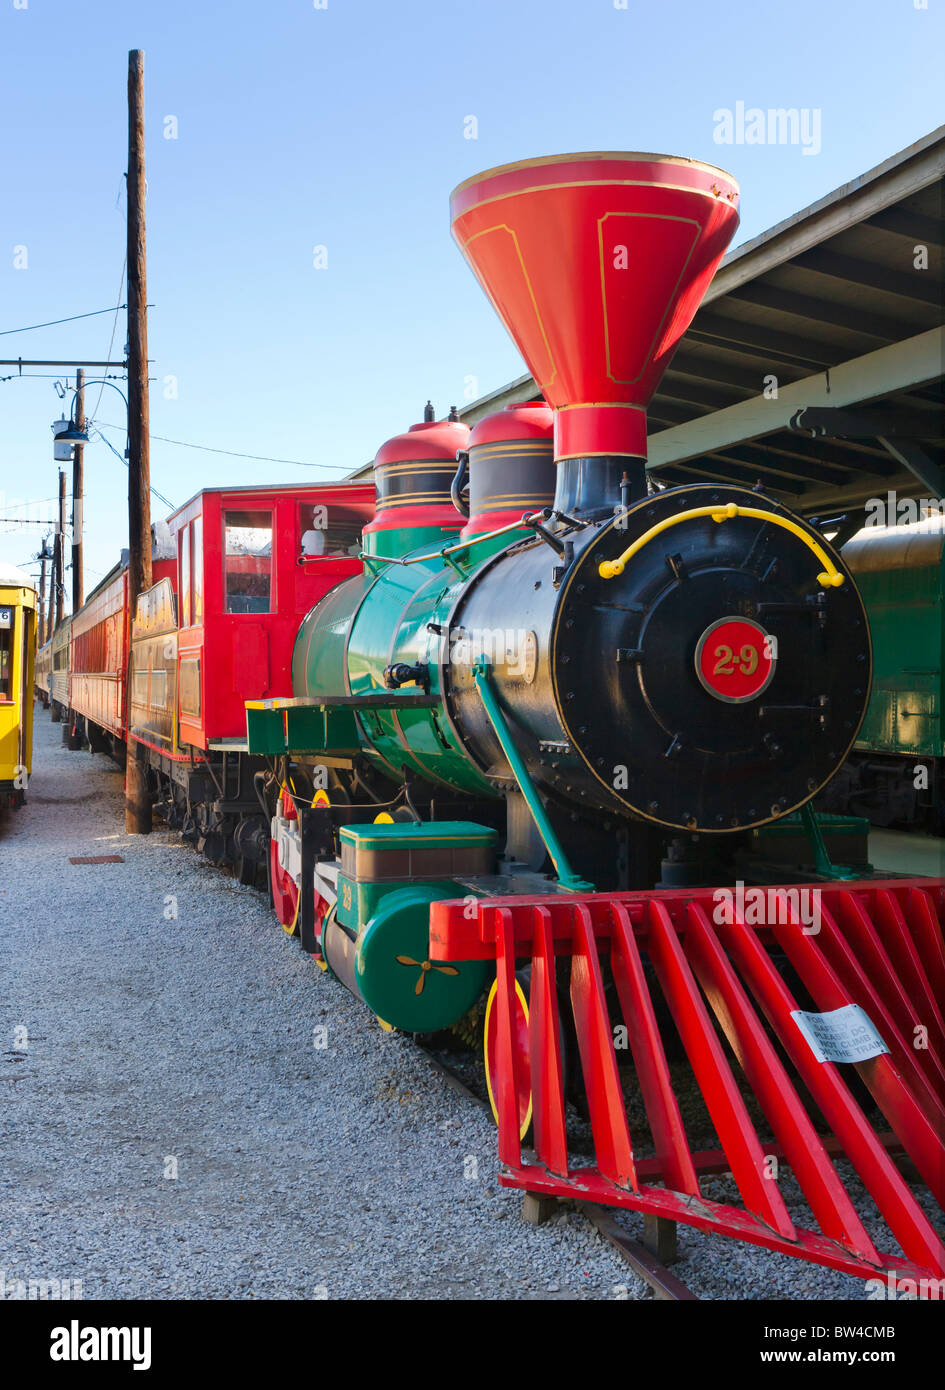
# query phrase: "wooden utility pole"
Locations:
[[77, 595], [59, 563], [137, 798]]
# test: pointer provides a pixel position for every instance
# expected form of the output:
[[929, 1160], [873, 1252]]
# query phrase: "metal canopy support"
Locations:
[[928, 472], [895, 430], [902, 366], [869, 423]]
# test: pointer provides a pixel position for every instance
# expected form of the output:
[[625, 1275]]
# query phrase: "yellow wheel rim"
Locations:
[[291, 928], [321, 798], [485, 1049], [384, 819]]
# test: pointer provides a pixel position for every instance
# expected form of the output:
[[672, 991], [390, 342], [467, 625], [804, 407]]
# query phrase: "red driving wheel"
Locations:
[[285, 893], [322, 909]]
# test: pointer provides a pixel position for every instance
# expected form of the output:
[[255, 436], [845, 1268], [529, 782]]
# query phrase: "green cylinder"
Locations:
[[371, 622]]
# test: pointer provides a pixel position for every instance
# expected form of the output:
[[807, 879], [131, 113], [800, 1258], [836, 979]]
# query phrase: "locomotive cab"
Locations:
[[249, 563]]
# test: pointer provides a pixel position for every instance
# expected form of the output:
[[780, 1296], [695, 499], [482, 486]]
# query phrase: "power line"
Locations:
[[231, 453], [159, 495], [5, 333]]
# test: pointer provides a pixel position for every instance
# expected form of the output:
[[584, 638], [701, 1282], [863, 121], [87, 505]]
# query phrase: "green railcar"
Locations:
[[896, 772]]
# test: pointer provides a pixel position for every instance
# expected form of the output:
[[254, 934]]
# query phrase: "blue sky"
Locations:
[[345, 127]]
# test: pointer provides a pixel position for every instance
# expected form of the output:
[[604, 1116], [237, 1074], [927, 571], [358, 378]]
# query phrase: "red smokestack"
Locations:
[[596, 264]]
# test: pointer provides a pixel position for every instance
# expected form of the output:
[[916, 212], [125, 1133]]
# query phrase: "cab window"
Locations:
[[334, 531], [247, 561]]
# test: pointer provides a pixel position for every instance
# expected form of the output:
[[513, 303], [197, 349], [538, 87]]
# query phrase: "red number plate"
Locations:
[[735, 659]]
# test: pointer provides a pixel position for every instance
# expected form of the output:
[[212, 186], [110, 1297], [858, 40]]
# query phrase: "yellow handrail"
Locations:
[[830, 578]]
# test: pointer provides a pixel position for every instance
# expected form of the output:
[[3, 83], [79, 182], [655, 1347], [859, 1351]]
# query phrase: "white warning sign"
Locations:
[[842, 1035]]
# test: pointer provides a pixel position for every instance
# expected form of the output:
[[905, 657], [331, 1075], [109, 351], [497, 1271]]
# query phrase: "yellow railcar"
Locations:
[[17, 656]]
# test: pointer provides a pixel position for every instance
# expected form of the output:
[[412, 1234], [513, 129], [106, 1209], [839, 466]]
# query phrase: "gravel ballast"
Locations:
[[201, 1113], [159, 1043]]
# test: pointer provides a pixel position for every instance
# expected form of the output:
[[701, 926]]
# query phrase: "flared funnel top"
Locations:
[[596, 264]]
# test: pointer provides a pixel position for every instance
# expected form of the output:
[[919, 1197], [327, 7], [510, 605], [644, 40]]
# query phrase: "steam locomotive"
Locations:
[[509, 667]]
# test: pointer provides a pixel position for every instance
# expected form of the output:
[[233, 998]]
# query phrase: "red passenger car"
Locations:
[[98, 664], [251, 562]]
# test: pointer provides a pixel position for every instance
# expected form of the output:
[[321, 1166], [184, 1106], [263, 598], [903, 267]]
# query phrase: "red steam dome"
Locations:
[[412, 476], [511, 466]]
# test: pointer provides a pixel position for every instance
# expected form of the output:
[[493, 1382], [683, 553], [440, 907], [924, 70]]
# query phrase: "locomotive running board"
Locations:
[[320, 724], [869, 948]]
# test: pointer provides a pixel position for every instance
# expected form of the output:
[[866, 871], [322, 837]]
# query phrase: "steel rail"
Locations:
[[644, 1263]]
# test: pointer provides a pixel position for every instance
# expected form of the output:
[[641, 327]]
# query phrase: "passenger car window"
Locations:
[[185, 576], [6, 654], [247, 561], [197, 570]]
